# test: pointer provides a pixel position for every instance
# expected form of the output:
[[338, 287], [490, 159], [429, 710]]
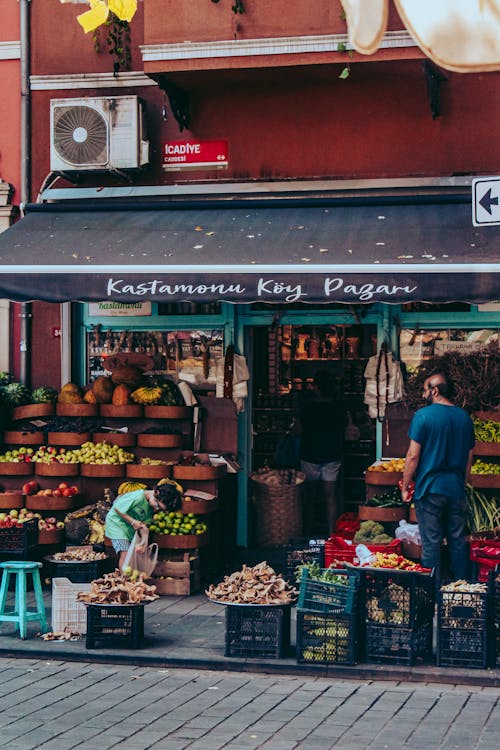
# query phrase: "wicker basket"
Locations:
[[278, 506]]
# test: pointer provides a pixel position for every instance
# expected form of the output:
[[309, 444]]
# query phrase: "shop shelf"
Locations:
[[326, 638], [123, 439], [56, 469], [198, 472], [148, 471], [487, 449], [383, 515], [11, 468], [398, 598], [17, 437], [157, 440], [257, 631], [115, 625], [168, 412], [383, 477], [30, 411], [67, 438], [102, 470], [485, 481], [386, 644], [50, 502], [181, 541], [11, 500], [77, 410], [126, 411]]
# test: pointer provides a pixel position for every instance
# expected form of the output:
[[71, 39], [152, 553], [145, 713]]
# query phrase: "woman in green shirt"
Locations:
[[133, 511]]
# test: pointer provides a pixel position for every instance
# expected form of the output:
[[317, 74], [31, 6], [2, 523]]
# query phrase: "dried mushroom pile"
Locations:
[[113, 588], [83, 555], [257, 585]]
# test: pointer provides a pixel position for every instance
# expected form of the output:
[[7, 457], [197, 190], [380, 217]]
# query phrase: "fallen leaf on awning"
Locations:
[[324, 250], [198, 229]]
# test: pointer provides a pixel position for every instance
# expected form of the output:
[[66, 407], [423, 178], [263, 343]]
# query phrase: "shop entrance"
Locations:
[[286, 359]]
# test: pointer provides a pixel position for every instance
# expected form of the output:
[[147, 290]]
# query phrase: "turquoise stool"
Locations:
[[20, 614]]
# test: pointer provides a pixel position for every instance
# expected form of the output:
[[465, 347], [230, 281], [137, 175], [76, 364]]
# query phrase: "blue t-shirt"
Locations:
[[446, 435]]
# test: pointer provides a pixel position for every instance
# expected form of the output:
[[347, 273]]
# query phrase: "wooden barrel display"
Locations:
[[67, 438], [11, 468], [168, 412], [148, 471], [11, 500], [387, 515], [50, 536], [56, 469], [122, 439], [77, 410], [198, 472], [126, 411], [31, 411], [102, 470], [157, 440], [16, 437], [180, 541], [50, 502]]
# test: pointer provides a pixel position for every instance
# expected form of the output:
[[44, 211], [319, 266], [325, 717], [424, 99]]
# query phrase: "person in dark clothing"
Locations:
[[322, 421], [440, 457]]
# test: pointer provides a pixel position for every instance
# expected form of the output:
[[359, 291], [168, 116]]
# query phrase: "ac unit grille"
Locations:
[[80, 136]]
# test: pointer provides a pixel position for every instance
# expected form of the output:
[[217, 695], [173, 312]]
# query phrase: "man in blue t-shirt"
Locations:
[[440, 457]]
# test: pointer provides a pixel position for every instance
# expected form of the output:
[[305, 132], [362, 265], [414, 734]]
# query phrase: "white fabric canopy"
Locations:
[[458, 35]]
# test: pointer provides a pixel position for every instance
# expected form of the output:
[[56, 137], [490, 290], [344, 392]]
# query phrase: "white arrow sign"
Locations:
[[485, 201]]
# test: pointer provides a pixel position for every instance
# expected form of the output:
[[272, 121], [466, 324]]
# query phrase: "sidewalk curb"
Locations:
[[418, 674]]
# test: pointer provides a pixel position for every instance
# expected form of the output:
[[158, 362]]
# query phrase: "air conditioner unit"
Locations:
[[97, 134]]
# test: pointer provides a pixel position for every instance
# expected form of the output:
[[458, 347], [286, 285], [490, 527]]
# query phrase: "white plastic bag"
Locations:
[[137, 561], [364, 555]]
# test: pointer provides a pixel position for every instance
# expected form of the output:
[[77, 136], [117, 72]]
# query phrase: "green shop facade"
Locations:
[[294, 285]]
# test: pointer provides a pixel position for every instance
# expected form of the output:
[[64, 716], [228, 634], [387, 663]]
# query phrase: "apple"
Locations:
[[63, 486], [57, 492], [30, 488], [74, 490], [47, 492], [60, 525], [13, 513], [67, 492]]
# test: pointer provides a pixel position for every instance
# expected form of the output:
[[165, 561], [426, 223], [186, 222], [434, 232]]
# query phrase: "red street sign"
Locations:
[[195, 155]]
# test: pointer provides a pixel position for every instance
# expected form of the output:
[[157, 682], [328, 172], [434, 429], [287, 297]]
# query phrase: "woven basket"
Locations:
[[278, 506]]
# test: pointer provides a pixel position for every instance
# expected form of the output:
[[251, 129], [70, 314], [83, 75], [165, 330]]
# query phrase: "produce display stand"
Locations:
[[177, 574], [78, 571]]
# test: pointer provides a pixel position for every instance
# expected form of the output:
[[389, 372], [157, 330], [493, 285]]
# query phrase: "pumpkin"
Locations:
[[121, 395]]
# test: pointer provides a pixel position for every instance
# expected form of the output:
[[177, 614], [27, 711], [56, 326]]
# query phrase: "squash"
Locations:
[[90, 397], [103, 389], [127, 375], [121, 395]]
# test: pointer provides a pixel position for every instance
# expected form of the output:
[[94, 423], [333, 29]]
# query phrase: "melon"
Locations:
[[103, 389]]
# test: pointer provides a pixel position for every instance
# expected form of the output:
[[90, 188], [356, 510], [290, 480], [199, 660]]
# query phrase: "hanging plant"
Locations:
[[116, 40], [100, 10]]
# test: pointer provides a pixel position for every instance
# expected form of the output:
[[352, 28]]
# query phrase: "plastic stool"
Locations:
[[20, 614]]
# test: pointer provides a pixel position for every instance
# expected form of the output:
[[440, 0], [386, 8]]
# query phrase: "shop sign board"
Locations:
[[461, 347], [119, 309], [486, 201], [178, 155]]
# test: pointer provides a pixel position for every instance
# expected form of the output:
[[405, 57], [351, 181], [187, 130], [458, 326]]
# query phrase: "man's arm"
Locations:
[[411, 462], [469, 466]]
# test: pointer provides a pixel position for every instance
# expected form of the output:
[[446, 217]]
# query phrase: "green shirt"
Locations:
[[133, 504]]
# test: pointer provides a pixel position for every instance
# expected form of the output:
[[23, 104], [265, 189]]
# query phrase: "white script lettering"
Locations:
[[272, 287], [365, 292]]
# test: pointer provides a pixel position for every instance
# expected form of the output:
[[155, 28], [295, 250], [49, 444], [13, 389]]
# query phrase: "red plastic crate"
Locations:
[[337, 548]]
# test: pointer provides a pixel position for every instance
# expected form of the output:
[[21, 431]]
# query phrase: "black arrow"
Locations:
[[487, 201]]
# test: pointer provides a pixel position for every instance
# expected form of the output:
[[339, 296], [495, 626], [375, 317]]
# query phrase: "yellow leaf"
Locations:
[[96, 16], [124, 9]]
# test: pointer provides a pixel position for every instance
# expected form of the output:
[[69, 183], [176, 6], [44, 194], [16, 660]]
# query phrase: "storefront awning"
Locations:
[[267, 251]]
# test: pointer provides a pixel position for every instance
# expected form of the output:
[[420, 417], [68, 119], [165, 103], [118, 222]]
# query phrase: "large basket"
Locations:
[[278, 506]]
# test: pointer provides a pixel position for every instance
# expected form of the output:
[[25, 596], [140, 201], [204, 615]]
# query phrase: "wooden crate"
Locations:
[[177, 574]]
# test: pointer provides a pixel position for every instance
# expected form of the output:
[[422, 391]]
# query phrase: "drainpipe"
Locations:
[[25, 314]]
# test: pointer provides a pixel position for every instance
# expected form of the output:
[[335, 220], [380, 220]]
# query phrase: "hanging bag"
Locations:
[[140, 557]]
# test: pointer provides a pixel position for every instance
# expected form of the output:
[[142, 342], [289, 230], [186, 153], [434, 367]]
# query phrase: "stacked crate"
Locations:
[[257, 631], [177, 573], [399, 614], [301, 552], [327, 620], [465, 633]]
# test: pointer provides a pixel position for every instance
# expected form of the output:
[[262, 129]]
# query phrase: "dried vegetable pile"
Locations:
[[257, 585], [113, 588]]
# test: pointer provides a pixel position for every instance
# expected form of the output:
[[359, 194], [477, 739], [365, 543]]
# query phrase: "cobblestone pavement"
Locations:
[[54, 705]]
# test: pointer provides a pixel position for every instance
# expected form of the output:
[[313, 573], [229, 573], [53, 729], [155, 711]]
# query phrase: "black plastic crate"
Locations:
[[464, 610], [77, 572], [463, 647], [328, 597], [19, 540], [397, 598], [115, 625], [386, 644], [326, 639], [259, 632], [302, 551]]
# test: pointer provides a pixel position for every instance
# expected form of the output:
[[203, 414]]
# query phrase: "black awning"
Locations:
[[247, 252]]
